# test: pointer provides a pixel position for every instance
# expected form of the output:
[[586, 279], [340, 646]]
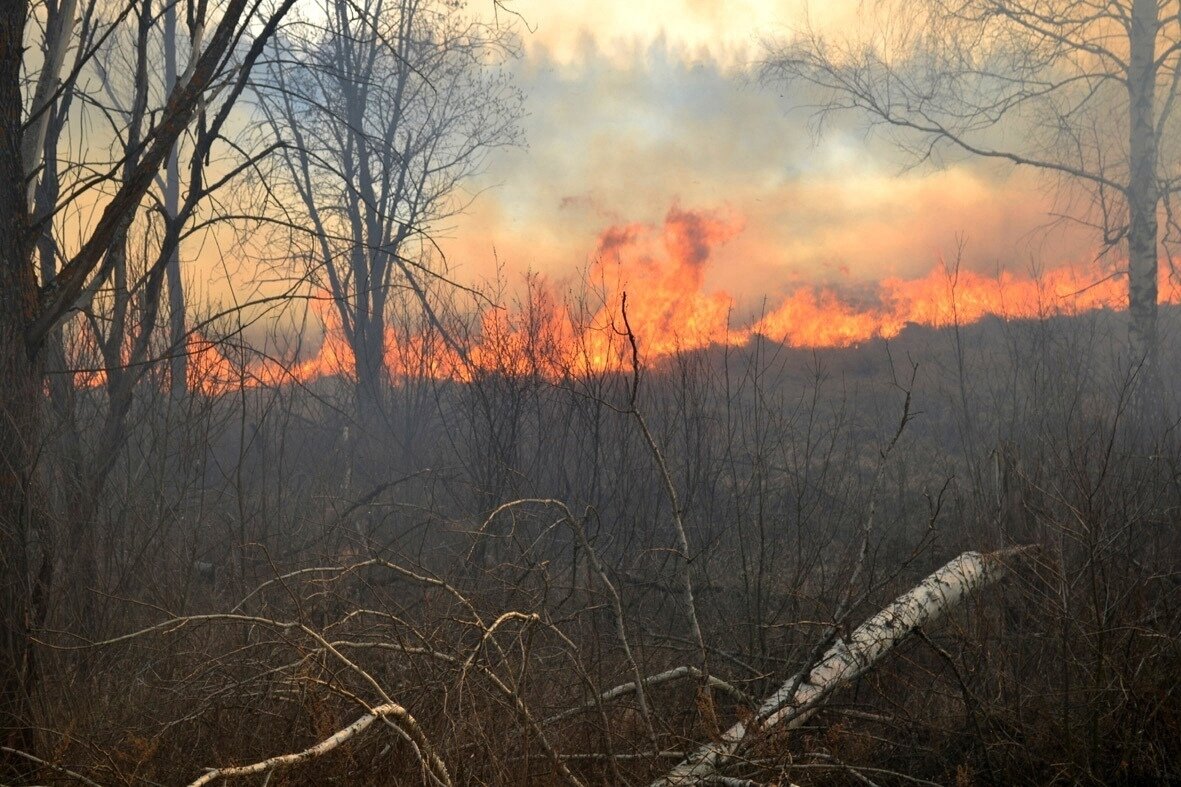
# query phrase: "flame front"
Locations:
[[662, 269]]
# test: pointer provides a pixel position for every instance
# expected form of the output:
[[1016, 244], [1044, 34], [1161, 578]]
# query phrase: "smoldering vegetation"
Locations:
[[486, 570], [568, 537]]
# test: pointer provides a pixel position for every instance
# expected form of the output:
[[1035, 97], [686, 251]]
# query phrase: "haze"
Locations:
[[513, 392]]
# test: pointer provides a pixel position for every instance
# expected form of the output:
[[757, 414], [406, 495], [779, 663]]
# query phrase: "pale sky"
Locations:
[[728, 31], [639, 108]]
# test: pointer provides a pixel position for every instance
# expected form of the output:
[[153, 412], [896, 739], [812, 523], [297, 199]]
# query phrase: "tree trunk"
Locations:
[[1143, 193], [58, 33], [369, 354], [179, 364], [20, 395], [63, 453]]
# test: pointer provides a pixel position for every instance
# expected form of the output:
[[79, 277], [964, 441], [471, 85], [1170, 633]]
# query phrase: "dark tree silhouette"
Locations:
[[30, 311]]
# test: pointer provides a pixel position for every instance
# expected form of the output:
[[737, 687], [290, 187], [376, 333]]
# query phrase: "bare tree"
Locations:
[[386, 109], [171, 207], [31, 312], [1080, 90]]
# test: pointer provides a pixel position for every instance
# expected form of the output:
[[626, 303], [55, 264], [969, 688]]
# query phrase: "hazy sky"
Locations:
[[639, 107]]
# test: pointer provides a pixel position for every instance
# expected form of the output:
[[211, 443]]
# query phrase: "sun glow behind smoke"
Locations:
[[662, 268]]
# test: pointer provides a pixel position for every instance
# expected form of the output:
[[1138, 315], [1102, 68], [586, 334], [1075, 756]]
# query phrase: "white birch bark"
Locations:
[[57, 40], [434, 767], [795, 701]]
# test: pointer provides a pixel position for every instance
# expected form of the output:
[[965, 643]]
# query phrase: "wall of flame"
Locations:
[[662, 269]]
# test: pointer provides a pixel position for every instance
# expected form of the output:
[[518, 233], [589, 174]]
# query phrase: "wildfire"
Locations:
[[663, 271], [662, 268], [820, 318]]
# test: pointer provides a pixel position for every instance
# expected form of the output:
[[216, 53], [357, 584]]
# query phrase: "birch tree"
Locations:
[[1078, 90]]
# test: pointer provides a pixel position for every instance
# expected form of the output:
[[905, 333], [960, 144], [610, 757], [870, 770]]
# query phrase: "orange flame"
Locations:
[[663, 271], [820, 318]]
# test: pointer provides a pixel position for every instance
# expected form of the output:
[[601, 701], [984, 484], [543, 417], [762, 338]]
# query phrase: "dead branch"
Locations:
[[46, 764], [438, 776], [668, 676], [616, 602]]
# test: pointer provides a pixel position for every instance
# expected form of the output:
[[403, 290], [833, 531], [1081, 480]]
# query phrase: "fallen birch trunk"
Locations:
[[796, 700]]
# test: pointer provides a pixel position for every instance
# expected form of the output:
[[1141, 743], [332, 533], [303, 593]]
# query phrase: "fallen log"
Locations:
[[797, 699]]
